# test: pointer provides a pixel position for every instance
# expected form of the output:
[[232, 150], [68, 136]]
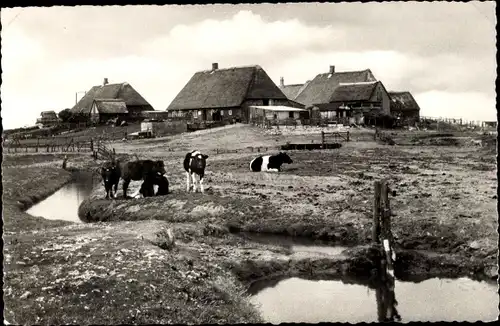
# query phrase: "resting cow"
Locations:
[[139, 170], [269, 163], [147, 187], [110, 172], [194, 164]]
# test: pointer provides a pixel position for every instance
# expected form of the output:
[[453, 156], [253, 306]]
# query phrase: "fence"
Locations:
[[317, 122], [381, 234], [335, 136]]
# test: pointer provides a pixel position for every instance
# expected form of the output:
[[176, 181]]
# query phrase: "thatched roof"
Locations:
[[322, 87], [353, 92], [225, 88], [403, 101], [122, 91], [293, 90], [48, 114], [111, 106]]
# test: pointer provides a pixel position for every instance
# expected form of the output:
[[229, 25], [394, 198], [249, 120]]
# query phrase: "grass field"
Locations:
[[114, 271]]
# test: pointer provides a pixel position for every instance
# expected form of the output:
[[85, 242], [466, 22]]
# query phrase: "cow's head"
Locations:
[[159, 167], [108, 170], [198, 160], [285, 158]]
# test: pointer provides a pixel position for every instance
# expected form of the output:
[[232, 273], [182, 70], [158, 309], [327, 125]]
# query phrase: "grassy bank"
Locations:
[[59, 272]]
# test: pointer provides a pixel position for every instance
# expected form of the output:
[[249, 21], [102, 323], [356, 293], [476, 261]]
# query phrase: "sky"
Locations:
[[444, 53]]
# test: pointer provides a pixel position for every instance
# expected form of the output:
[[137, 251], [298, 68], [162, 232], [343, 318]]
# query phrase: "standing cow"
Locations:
[[110, 173], [269, 163], [139, 170], [194, 164]]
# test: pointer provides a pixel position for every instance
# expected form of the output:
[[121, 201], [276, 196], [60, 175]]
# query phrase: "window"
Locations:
[[199, 112], [221, 112], [265, 102], [230, 112], [290, 114]]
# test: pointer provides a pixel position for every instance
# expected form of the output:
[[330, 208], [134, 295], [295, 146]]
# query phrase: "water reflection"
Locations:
[[295, 244], [300, 300], [64, 203]]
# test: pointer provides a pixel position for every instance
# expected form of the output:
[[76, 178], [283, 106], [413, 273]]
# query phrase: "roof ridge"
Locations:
[[358, 83], [293, 85], [229, 68]]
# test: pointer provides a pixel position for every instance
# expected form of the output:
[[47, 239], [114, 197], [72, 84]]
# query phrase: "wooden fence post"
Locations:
[[376, 212], [322, 139], [347, 135]]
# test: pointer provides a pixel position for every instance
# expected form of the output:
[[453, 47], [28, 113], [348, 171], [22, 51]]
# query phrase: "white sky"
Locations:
[[442, 52]]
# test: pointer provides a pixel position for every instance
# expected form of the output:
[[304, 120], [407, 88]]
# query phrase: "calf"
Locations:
[[110, 172], [139, 170], [194, 164], [147, 187], [269, 163]]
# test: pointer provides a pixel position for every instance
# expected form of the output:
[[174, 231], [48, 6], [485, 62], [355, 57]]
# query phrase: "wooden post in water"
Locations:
[[376, 212]]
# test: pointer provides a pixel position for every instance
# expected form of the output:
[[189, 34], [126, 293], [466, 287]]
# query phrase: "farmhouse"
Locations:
[[47, 118], [106, 109], [404, 107], [108, 101], [226, 94], [341, 95]]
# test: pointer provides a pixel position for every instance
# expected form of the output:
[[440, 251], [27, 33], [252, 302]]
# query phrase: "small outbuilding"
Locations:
[[404, 108], [260, 114]]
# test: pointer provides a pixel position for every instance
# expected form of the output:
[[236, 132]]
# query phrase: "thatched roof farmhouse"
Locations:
[[226, 94], [404, 107], [108, 99], [334, 95]]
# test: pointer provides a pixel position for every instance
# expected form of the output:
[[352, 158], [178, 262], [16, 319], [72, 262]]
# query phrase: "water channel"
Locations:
[[312, 301], [64, 203]]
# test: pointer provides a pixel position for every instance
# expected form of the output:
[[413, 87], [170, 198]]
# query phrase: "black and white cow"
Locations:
[[269, 163], [194, 164]]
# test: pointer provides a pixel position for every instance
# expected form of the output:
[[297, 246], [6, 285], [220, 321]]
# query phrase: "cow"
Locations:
[[269, 163], [110, 173], [139, 170], [147, 187], [194, 164]]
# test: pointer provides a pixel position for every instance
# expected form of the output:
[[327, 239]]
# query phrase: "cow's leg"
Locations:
[[125, 187], [194, 175], [201, 185], [106, 187], [116, 189], [188, 182]]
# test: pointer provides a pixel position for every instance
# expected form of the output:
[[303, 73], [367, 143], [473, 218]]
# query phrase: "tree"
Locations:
[[65, 115]]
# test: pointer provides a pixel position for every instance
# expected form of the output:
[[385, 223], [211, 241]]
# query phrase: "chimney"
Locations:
[[282, 81], [332, 69], [105, 81], [215, 66]]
